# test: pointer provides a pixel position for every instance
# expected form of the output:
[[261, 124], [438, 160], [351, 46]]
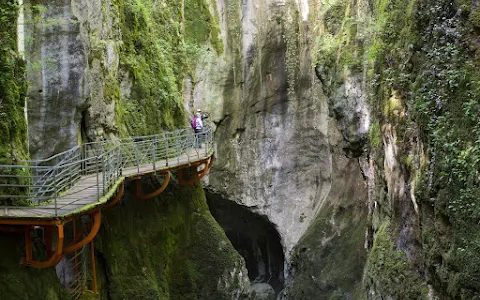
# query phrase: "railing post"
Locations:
[[154, 150], [55, 189], [104, 173], [166, 149], [136, 157], [177, 151], [205, 139], [98, 174]]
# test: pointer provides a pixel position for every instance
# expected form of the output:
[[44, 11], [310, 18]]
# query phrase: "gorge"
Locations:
[[347, 137]]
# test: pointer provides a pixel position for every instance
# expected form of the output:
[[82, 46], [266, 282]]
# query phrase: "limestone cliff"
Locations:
[[419, 60], [398, 81], [273, 152], [350, 127], [101, 69]]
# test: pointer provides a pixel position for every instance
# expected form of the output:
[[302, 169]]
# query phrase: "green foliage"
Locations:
[[389, 271], [422, 51], [375, 134], [475, 18], [334, 17], [160, 46], [13, 127]]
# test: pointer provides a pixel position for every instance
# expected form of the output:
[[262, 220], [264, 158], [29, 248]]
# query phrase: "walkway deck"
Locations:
[[87, 176]]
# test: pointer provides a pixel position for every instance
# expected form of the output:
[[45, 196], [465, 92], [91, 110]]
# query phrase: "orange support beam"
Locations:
[[28, 261], [138, 193], [118, 196], [93, 232], [198, 176]]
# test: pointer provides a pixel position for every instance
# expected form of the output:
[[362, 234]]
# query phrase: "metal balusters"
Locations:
[[43, 182], [55, 192]]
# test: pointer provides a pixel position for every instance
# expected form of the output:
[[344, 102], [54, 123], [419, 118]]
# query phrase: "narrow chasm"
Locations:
[[254, 237]]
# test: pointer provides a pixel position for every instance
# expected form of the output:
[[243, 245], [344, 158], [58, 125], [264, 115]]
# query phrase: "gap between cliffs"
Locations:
[[254, 237]]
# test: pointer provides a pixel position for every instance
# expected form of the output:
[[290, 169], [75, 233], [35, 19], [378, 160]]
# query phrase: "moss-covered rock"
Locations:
[[424, 54], [328, 261], [13, 125], [20, 282], [390, 272], [168, 248]]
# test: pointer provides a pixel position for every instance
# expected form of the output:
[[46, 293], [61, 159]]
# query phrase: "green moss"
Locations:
[[375, 134], [160, 47], [329, 259], [165, 248], [475, 18], [389, 271], [20, 282], [427, 60], [201, 26], [13, 127]]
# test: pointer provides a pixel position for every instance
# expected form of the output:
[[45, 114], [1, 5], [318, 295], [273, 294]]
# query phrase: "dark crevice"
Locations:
[[254, 237], [103, 264]]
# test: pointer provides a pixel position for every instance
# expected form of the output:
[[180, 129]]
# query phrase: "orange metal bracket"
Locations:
[[93, 232], [118, 196], [32, 222], [198, 176], [138, 186], [53, 259]]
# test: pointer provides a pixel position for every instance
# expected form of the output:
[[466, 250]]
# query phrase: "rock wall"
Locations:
[[13, 86], [398, 83], [416, 65], [103, 69], [273, 153], [169, 247]]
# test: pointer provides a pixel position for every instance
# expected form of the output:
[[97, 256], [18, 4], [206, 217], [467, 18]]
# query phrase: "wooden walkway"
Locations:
[[88, 192]]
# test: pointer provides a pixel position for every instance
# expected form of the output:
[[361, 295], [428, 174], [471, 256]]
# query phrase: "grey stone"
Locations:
[[262, 291]]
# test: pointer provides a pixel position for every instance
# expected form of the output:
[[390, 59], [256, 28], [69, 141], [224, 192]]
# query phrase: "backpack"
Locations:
[[193, 122]]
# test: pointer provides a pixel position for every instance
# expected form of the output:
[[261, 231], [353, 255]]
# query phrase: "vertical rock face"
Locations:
[[168, 248], [103, 69], [273, 153], [56, 73], [284, 129]]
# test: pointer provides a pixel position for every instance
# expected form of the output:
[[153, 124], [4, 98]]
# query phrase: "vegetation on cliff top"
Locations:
[[160, 46], [424, 52], [13, 126], [423, 56]]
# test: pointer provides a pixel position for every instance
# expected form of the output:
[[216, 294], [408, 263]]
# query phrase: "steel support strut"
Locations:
[[198, 175], [28, 260], [138, 186]]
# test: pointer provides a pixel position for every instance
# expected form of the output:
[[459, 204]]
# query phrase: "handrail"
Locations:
[[37, 183]]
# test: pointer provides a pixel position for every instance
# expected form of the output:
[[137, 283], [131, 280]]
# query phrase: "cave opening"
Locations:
[[254, 237]]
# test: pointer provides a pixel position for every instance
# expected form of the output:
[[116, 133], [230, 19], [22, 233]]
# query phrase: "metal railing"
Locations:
[[40, 182]]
